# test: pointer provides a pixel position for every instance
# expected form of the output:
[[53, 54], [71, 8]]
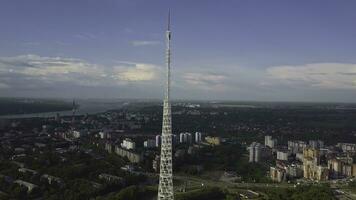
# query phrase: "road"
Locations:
[[195, 182], [188, 183]]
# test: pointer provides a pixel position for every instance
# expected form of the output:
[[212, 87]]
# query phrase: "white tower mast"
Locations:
[[165, 188]]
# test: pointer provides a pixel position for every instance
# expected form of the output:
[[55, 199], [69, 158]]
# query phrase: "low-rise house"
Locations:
[[25, 170], [28, 185], [111, 178], [52, 179]]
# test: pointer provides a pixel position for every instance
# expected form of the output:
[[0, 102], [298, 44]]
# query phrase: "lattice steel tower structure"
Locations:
[[165, 188]]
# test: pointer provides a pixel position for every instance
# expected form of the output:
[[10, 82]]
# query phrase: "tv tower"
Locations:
[[165, 187]]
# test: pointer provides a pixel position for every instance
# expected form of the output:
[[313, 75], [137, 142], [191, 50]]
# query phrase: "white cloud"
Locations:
[[49, 67], [137, 43], [205, 80], [137, 72], [25, 70], [54, 75], [319, 75]]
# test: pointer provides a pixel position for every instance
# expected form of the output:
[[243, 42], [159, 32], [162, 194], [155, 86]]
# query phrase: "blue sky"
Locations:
[[276, 50]]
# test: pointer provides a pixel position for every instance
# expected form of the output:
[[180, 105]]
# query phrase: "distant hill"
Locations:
[[10, 106]]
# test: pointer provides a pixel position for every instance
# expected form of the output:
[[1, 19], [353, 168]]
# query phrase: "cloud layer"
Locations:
[[33, 75], [137, 72], [36, 71], [205, 80], [317, 75]]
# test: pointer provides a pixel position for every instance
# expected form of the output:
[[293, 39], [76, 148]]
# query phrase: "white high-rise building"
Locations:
[[270, 142], [165, 186], [181, 138], [255, 152], [258, 149], [251, 151], [185, 138], [197, 137], [102, 134], [296, 146], [283, 155]]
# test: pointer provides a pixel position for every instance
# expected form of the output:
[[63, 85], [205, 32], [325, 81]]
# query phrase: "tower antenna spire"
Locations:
[[169, 20]]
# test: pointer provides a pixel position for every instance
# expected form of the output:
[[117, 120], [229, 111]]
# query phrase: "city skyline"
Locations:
[[275, 51]]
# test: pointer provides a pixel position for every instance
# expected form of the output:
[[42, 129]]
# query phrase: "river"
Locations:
[[85, 107]]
